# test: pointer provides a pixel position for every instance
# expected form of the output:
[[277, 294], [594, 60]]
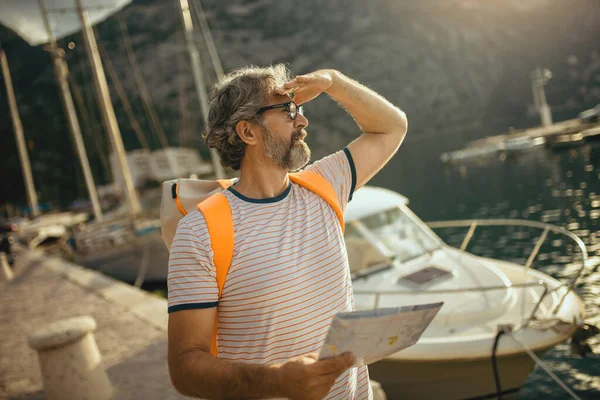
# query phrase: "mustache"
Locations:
[[299, 134]]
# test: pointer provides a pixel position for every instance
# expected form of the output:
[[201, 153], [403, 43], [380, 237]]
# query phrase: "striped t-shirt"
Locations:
[[289, 274]]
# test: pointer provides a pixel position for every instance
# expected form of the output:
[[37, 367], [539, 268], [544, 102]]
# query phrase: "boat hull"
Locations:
[[452, 379], [124, 262]]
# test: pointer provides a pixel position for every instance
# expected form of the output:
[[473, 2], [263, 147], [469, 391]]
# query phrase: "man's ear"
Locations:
[[245, 131]]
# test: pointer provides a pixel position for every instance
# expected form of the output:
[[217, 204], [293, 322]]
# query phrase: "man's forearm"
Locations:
[[199, 374], [372, 112]]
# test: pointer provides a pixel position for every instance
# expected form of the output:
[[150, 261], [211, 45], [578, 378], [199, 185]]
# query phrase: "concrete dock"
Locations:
[[131, 332]]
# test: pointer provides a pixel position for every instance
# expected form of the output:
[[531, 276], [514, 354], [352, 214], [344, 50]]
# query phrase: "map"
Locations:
[[374, 334]]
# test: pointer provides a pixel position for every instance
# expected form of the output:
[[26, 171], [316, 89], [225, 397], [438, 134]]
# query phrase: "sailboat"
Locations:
[[32, 24], [121, 243], [131, 249]]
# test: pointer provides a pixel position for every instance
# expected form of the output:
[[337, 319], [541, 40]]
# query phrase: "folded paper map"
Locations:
[[374, 334]]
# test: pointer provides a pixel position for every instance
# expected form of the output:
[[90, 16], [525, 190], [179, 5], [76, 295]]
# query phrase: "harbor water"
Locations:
[[560, 187]]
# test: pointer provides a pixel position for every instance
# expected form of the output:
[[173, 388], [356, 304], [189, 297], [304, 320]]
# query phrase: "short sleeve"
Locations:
[[191, 278], [338, 169]]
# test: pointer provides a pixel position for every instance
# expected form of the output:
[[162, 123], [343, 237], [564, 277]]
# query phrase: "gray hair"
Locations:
[[237, 97]]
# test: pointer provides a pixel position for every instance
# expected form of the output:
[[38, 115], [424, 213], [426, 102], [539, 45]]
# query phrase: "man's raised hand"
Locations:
[[307, 87]]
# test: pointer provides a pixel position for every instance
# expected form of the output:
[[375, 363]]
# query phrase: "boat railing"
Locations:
[[530, 317], [472, 224]]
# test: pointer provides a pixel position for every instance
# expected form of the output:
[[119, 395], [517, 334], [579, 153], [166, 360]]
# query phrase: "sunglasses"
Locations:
[[292, 109]]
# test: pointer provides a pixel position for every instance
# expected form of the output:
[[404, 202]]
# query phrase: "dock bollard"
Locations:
[[70, 361], [6, 273]]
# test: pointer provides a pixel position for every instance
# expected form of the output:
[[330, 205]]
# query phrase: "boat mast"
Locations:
[[106, 109], [18, 127], [188, 30], [210, 43], [540, 78], [61, 72]]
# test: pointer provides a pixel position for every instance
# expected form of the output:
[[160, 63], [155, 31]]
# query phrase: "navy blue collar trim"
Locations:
[[268, 200]]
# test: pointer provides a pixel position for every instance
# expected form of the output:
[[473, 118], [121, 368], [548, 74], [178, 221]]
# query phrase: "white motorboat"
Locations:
[[396, 260]]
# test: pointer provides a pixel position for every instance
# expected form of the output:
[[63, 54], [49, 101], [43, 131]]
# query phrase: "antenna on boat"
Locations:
[[18, 127], [106, 109], [61, 72], [539, 78], [188, 30]]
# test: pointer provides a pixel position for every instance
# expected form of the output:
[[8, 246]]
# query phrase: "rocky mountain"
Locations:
[[459, 68]]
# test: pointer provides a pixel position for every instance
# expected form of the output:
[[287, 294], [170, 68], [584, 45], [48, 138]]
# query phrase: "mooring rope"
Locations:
[[542, 365]]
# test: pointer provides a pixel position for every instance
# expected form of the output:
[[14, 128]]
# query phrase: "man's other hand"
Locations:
[[305, 378]]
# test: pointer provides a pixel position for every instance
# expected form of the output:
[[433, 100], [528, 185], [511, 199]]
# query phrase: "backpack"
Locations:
[[181, 195]]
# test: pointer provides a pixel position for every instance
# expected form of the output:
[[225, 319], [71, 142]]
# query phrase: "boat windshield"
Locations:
[[394, 232]]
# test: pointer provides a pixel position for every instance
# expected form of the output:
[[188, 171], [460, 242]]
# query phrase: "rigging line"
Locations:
[[182, 100], [208, 38], [86, 116], [146, 100], [114, 77], [89, 99], [86, 121], [93, 118], [80, 173]]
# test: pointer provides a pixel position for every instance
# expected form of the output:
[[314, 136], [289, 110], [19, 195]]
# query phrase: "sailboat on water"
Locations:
[[126, 243], [131, 249], [31, 23]]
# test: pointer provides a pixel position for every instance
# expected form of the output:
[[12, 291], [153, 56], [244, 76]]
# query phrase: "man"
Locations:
[[289, 273]]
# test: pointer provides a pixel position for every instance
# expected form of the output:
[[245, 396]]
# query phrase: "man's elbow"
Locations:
[[178, 380], [179, 371], [402, 123], [400, 127]]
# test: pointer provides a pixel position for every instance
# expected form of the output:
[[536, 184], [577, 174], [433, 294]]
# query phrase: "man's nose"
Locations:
[[301, 121]]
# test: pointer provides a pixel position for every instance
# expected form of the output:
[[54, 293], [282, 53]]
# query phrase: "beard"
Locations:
[[290, 155]]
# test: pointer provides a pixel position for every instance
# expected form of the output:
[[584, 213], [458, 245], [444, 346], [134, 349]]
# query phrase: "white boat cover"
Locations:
[[25, 18], [370, 200]]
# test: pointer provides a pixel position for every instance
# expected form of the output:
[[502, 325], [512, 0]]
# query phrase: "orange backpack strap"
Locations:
[[319, 185], [219, 222], [180, 206], [224, 183]]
